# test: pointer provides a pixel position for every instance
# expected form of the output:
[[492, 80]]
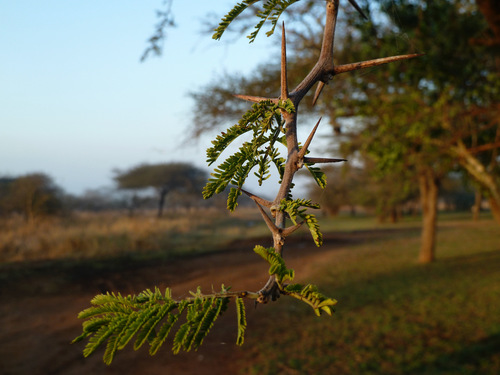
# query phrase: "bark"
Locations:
[[478, 171], [495, 209], [161, 202], [491, 12], [476, 209], [429, 188]]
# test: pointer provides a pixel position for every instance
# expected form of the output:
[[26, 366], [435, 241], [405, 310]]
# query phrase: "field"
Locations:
[[394, 316]]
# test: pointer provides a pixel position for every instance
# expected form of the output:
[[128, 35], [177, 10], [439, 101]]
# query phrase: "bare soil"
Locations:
[[39, 304]]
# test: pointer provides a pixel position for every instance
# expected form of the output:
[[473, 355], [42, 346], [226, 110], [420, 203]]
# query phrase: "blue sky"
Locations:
[[76, 102]]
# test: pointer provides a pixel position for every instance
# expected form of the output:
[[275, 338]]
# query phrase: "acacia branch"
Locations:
[[486, 147]]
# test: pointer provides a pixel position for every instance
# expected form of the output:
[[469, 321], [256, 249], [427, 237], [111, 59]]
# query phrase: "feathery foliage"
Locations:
[[265, 122], [242, 320], [149, 317], [294, 209], [310, 295], [271, 11], [318, 175], [276, 263]]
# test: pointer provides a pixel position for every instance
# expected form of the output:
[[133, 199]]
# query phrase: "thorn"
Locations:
[[321, 84], [284, 81], [257, 199], [288, 231], [304, 148], [358, 8], [255, 99], [322, 160], [370, 63], [272, 227]]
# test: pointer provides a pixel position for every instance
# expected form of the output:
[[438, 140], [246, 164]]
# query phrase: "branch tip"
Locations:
[[323, 160], [371, 63], [317, 93], [254, 99], [358, 8]]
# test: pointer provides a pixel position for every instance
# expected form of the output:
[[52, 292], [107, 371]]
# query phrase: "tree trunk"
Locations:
[[161, 202], [481, 175], [495, 209], [476, 209], [428, 185]]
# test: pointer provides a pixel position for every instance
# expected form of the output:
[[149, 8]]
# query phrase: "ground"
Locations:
[[39, 304]]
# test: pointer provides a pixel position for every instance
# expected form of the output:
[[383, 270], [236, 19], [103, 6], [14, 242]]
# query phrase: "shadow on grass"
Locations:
[[466, 360]]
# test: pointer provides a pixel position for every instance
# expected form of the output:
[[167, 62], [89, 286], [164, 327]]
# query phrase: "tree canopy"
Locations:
[[165, 178], [33, 195]]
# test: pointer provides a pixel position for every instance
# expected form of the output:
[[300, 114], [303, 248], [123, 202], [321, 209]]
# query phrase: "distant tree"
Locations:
[[4, 193], [165, 178], [33, 195]]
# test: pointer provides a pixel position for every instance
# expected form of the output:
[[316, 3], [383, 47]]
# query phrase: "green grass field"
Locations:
[[394, 315]]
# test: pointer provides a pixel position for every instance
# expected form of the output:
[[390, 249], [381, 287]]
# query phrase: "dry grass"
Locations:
[[107, 234]]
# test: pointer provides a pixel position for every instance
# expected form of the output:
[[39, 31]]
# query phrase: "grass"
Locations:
[[394, 316], [114, 234]]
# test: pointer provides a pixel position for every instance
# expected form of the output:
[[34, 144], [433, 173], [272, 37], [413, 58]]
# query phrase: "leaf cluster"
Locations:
[[306, 293], [298, 208], [149, 317], [265, 122], [271, 11]]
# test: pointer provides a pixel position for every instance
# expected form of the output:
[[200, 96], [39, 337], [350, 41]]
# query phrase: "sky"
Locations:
[[75, 100], [76, 103]]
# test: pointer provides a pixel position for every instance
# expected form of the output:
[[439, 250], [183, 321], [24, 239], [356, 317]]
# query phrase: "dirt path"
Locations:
[[38, 312]]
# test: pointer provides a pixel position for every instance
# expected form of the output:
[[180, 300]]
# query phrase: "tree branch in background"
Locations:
[[166, 20]]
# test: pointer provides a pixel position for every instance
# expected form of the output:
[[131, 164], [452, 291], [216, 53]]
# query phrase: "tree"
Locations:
[[430, 116], [33, 195], [165, 178], [272, 122]]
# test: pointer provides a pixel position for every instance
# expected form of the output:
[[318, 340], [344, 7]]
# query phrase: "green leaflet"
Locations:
[[271, 11], [165, 329], [276, 263], [310, 295], [313, 226], [228, 18], [242, 320], [318, 175], [294, 208]]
